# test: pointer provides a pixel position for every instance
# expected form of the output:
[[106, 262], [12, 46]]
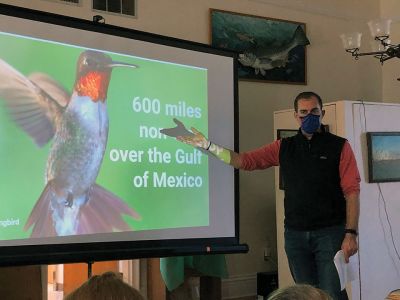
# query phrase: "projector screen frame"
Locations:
[[100, 251]]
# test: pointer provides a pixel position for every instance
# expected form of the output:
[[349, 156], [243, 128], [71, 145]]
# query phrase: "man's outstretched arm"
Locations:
[[199, 140], [261, 158]]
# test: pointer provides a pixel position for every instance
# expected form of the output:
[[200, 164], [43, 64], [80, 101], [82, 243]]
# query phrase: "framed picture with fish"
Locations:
[[270, 50]]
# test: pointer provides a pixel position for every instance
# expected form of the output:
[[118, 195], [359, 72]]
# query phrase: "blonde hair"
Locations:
[[299, 292], [393, 295], [108, 286]]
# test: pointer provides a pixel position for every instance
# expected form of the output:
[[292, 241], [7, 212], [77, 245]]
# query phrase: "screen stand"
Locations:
[[89, 269]]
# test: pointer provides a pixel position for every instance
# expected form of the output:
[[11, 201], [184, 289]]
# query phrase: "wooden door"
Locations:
[[76, 274]]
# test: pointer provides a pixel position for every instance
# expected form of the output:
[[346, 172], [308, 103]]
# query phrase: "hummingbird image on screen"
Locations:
[[77, 123]]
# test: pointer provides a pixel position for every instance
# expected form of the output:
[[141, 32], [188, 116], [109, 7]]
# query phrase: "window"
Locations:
[[124, 7]]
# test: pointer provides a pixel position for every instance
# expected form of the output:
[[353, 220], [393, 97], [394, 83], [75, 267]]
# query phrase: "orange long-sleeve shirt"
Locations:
[[268, 156]]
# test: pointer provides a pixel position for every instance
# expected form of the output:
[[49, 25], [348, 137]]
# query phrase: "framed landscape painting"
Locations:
[[383, 156], [284, 133], [270, 50]]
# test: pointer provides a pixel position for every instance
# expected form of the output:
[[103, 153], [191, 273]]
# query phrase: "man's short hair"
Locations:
[[306, 95]]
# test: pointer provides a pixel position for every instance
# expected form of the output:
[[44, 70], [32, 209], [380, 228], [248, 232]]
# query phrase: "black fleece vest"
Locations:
[[310, 173]]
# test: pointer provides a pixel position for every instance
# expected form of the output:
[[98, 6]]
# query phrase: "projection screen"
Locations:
[[85, 172]]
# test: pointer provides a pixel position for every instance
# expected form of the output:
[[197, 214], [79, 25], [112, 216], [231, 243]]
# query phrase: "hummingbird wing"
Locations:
[[52, 88], [31, 103]]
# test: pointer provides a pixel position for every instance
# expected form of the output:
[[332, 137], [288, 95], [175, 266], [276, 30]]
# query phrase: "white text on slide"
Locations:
[[9, 222], [153, 106], [163, 180]]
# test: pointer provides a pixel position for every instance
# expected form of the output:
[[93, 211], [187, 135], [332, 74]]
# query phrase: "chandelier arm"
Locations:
[[390, 45], [370, 53], [382, 38], [387, 58], [381, 56]]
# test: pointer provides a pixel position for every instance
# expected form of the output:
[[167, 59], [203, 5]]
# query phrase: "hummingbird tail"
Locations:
[[103, 213], [40, 216]]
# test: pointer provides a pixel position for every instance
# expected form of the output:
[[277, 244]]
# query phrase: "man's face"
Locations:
[[308, 106]]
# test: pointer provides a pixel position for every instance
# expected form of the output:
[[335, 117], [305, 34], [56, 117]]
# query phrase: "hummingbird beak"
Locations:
[[121, 64]]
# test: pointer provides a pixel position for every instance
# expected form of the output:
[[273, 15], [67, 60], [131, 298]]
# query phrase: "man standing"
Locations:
[[321, 183]]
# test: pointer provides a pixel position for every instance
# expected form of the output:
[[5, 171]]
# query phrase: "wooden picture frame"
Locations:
[[284, 133], [270, 50]]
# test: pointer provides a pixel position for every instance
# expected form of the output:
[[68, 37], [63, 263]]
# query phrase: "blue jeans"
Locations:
[[310, 255]]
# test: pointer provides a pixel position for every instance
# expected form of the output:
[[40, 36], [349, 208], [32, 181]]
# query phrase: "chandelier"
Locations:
[[383, 50]]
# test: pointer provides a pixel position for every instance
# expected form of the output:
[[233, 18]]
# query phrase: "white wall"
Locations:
[[379, 236], [331, 72]]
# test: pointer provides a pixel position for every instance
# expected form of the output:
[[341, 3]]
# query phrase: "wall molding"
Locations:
[[326, 9]]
